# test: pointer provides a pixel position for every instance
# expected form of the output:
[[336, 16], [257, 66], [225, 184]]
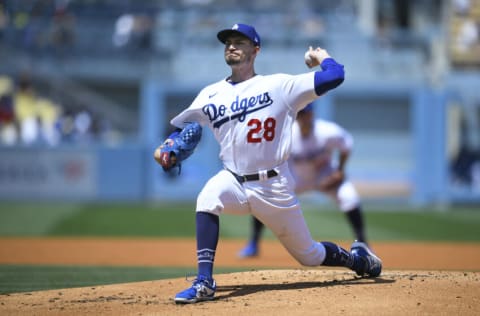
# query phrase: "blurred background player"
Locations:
[[315, 143]]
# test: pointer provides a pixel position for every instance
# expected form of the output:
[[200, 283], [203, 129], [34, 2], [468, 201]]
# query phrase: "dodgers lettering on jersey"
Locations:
[[239, 108], [255, 115]]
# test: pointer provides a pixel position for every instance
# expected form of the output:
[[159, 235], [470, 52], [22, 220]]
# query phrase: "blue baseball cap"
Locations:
[[242, 29]]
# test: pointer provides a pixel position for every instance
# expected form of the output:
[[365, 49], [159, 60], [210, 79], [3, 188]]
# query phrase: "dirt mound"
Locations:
[[415, 280], [269, 292]]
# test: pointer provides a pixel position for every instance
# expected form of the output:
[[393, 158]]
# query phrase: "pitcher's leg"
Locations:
[[220, 194], [291, 230], [207, 231]]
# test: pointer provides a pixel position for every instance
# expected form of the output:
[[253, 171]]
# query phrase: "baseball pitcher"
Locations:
[[251, 116]]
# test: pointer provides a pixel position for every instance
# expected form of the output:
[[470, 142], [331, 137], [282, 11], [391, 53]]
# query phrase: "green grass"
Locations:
[[24, 278], [127, 220], [95, 219], [178, 220], [457, 225], [401, 225]]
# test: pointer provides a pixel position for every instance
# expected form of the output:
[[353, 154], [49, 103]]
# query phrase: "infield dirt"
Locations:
[[418, 278]]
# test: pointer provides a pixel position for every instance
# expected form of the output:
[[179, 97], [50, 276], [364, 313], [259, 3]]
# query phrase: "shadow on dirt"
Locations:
[[241, 290]]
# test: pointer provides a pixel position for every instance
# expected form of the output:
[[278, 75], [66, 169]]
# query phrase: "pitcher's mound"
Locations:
[[269, 292]]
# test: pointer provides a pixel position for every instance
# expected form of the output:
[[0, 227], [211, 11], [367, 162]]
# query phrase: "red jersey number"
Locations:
[[259, 130]]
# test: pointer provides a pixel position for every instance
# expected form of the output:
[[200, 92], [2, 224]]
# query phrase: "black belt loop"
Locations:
[[253, 177]]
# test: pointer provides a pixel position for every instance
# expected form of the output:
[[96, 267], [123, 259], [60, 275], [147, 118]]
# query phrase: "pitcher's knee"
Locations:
[[312, 257], [309, 262]]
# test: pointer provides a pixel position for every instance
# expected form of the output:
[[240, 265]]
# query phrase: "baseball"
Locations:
[[308, 59]]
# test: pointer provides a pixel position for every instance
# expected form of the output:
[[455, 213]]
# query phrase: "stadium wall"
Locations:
[[393, 161]]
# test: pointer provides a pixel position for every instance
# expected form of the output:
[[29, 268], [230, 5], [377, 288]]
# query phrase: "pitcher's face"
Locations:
[[239, 49]]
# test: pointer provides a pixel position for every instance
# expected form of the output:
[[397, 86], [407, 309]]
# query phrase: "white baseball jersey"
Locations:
[[311, 160], [254, 116], [252, 121]]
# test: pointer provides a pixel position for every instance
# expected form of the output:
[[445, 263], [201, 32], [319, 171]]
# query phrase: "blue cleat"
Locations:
[[372, 266], [250, 250], [203, 289]]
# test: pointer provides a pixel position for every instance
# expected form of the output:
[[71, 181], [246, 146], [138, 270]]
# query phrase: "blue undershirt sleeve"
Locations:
[[331, 76]]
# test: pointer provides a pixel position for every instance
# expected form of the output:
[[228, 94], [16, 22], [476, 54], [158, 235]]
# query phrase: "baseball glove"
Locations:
[[178, 146]]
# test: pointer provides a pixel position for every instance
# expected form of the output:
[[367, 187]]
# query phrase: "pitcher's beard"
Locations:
[[231, 61]]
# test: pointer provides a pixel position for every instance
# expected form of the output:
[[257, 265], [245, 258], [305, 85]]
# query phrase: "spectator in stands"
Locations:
[[25, 110], [468, 36], [83, 125], [48, 114], [66, 126], [8, 127], [36, 115]]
